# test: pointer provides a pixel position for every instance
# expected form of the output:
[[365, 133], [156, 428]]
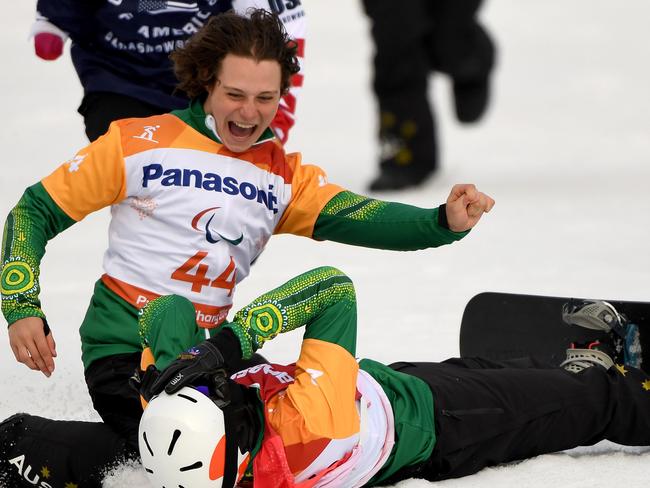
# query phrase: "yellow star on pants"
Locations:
[[45, 472], [646, 385], [621, 369], [71, 485]]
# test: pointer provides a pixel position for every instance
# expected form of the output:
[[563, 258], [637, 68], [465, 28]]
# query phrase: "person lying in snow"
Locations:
[[329, 419]]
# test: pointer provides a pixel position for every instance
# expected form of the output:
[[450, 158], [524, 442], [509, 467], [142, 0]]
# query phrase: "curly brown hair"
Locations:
[[260, 36]]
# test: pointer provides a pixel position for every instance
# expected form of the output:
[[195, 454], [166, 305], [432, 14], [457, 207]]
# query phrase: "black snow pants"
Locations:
[[488, 413]]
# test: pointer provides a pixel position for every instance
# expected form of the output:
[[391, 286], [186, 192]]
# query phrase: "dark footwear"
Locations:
[[471, 80], [471, 100], [594, 314], [408, 152]]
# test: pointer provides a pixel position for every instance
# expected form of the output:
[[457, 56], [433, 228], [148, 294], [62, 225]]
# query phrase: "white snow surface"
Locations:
[[564, 150]]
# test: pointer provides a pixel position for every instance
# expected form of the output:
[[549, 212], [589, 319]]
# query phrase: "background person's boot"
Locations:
[[408, 153]]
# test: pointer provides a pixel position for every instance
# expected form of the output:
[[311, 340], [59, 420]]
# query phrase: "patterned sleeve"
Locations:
[[361, 221], [31, 223], [94, 178], [322, 300]]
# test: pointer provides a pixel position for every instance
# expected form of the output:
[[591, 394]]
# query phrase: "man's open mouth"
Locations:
[[239, 129]]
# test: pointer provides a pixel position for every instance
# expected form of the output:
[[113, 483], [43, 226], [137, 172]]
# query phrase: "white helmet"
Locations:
[[185, 440]]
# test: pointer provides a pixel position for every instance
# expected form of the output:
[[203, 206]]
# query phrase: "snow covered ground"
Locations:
[[564, 150]]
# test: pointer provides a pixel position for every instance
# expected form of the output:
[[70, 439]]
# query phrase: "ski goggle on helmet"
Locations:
[[186, 440]]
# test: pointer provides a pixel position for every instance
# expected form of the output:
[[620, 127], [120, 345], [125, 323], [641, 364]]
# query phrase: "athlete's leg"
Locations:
[[113, 397], [168, 327], [36, 451], [486, 416]]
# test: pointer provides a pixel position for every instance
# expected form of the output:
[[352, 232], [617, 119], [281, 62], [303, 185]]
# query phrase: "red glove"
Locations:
[[48, 38], [48, 46]]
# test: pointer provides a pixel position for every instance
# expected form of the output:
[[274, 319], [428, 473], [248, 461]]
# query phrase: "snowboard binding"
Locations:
[[585, 355], [601, 316]]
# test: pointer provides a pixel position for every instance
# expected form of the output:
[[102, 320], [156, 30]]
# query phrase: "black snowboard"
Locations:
[[503, 326]]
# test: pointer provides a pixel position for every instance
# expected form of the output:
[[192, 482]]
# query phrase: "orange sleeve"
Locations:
[[320, 404], [310, 192], [93, 179]]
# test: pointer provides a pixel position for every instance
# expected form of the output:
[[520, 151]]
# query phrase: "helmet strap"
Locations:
[[230, 463], [241, 428]]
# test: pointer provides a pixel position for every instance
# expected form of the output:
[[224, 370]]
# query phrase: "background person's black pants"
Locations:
[[416, 38], [99, 109], [489, 413], [412, 40]]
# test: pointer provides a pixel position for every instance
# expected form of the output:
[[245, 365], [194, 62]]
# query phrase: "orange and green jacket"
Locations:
[[188, 217]]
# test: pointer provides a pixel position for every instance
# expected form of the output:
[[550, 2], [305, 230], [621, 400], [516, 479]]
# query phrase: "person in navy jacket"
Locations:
[[120, 50]]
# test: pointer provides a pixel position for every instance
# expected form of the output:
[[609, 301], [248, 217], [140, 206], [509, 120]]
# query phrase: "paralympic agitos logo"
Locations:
[[202, 221]]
